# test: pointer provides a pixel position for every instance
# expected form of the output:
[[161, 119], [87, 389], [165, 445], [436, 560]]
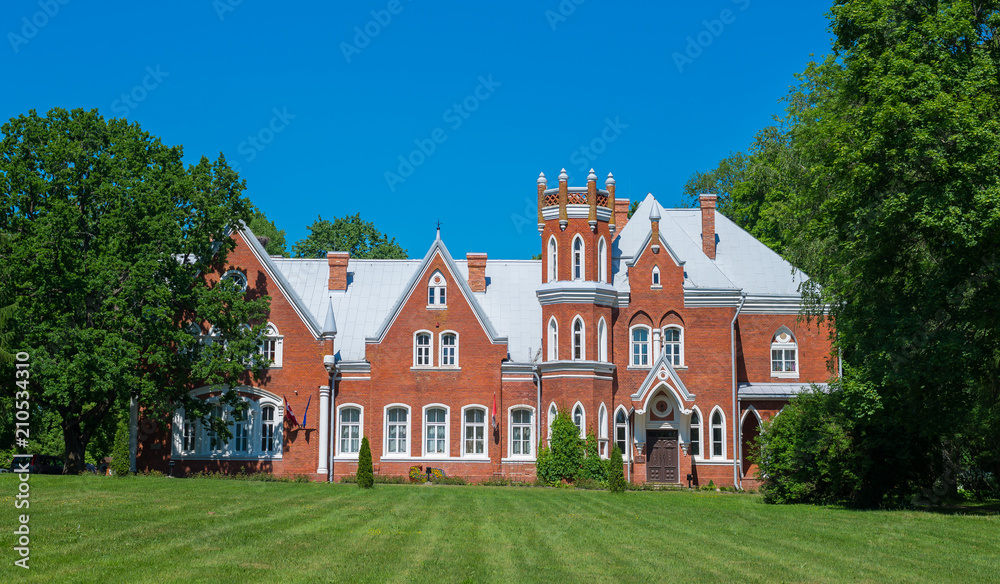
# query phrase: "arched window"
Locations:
[[784, 354], [449, 349], [215, 442], [435, 431], [656, 277], [350, 430], [553, 340], [241, 434], [718, 434], [640, 346], [580, 419], [579, 350], [695, 433], [621, 433], [268, 438], [602, 431], [673, 345], [422, 349], [255, 432], [437, 287], [578, 264], [397, 421], [271, 345], [602, 340], [553, 264], [602, 259], [520, 432], [553, 412], [236, 278], [475, 432], [189, 440]]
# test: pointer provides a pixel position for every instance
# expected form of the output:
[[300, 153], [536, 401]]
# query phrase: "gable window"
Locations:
[[718, 435], [475, 431], [350, 430], [784, 355], [435, 431], [640, 346], [236, 278], [520, 432], [656, 277], [271, 345], [552, 260], [602, 340], [397, 421], [437, 288], [621, 433], [553, 340], [578, 348], [267, 429], [695, 434], [602, 259], [602, 431], [422, 349], [580, 419], [578, 267], [449, 350], [673, 345]]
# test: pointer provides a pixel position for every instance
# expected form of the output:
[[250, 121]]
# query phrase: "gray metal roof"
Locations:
[[775, 390]]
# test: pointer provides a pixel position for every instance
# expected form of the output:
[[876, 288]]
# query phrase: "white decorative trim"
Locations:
[[583, 339], [583, 418], [386, 455], [711, 435], [441, 337], [576, 292], [510, 434], [447, 429], [576, 211], [338, 453], [430, 349], [486, 428]]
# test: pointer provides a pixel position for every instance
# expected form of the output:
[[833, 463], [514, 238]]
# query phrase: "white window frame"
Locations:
[[602, 431], [485, 455], [712, 427], [579, 341], [341, 424], [437, 292], [531, 429], [430, 350], [578, 259], [553, 260], [276, 423], [247, 424], [385, 431], [779, 346], [656, 283], [647, 343], [680, 343], [254, 421], [694, 431], [192, 425], [235, 273], [447, 430], [583, 418], [624, 426], [441, 352], [602, 340], [271, 335], [602, 258], [553, 339], [553, 412]]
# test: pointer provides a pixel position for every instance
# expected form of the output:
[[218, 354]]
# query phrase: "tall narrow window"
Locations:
[[640, 346], [350, 431], [520, 433], [190, 435], [580, 419], [695, 434], [475, 431], [602, 431], [271, 345], [215, 441], [267, 429], [553, 340], [435, 431], [602, 259], [449, 350], [784, 355], [552, 261], [602, 340], [396, 434], [422, 350], [578, 267], [621, 439], [436, 288], [553, 412], [578, 348], [673, 345], [656, 276], [718, 447], [241, 435]]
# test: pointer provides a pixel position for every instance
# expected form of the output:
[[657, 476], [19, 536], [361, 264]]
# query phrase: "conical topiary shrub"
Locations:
[[616, 473], [121, 462], [366, 474]]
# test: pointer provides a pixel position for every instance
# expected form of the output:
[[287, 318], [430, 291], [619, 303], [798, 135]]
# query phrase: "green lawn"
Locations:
[[98, 529]]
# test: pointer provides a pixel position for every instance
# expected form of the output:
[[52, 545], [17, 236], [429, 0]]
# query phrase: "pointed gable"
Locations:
[[663, 374]]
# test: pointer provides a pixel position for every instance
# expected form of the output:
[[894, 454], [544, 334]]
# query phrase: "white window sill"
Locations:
[[519, 459], [435, 368], [437, 306], [397, 456], [476, 458], [656, 287], [639, 367], [345, 458], [713, 461], [785, 374]]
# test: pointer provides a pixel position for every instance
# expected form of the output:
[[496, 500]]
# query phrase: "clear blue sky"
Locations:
[[566, 85]]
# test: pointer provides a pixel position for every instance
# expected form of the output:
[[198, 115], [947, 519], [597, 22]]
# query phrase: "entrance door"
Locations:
[[661, 465]]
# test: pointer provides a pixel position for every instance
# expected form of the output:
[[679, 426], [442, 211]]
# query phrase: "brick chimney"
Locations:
[[477, 271], [707, 203], [621, 213], [337, 260]]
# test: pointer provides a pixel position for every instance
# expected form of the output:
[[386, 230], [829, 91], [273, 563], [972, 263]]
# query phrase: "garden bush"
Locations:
[[616, 472], [121, 463], [366, 473]]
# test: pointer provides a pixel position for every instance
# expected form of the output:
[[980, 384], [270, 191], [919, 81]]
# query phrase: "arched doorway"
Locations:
[[662, 461], [749, 430]]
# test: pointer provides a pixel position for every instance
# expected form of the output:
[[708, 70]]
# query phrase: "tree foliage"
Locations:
[[272, 238], [593, 467], [564, 458], [106, 241], [351, 234], [366, 472]]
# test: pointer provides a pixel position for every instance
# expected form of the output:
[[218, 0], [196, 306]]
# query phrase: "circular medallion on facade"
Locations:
[[662, 375]]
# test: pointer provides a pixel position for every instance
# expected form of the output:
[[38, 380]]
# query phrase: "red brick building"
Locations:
[[672, 334]]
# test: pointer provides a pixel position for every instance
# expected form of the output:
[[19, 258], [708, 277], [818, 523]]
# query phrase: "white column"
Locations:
[[656, 344], [324, 429]]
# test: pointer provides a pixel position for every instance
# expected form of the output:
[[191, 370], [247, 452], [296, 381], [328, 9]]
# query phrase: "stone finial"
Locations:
[[654, 213], [563, 177], [610, 180], [591, 176], [541, 179]]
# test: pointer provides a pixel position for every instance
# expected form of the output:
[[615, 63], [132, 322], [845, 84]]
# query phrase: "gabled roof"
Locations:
[[663, 373]]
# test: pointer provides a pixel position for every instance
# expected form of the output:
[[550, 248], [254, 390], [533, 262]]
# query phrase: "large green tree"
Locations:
[[107, 239], [272, 238], [351, 234]]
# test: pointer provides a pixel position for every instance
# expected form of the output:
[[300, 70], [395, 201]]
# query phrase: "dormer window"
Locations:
[[656, 276], [437, 290], [784, 354]]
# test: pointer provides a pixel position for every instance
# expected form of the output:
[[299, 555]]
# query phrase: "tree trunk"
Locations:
[[76, 446]]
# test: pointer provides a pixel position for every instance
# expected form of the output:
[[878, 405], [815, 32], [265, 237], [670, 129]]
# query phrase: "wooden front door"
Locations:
[[661, 465]]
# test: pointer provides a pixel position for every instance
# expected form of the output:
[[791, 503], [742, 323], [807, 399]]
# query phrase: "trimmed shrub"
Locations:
[[121, 463], [567, 448], [594, 468], [366, 473], [544, 468], [616, 472]]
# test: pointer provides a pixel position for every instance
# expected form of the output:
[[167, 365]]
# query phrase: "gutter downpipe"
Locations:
[[538, 413], [333, 422], [737, 442]]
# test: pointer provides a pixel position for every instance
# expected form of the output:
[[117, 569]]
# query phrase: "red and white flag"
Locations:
[[288, 413]]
